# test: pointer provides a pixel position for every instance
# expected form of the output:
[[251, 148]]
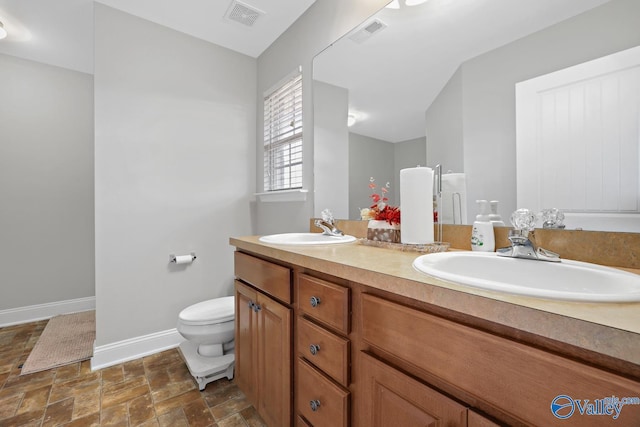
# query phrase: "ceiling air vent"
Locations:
[[243, 13], [370, 29]]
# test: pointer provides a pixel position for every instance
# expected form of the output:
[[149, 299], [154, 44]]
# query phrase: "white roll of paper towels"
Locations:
[[416, 205]]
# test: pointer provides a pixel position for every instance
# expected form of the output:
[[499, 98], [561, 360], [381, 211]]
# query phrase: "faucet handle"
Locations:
[[523, 220], [552, 218], [327, 216]]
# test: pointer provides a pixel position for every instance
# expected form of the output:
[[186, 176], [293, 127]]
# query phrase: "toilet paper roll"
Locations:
[[184, 259], [416, 205]]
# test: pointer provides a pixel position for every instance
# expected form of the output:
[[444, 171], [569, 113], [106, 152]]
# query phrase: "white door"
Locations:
[[578, 142]]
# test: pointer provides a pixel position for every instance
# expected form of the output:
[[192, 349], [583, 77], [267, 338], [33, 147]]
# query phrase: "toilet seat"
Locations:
[[209, 312]]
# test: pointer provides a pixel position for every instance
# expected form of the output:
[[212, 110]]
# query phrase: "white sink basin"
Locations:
[[566, 280], [306, 239]]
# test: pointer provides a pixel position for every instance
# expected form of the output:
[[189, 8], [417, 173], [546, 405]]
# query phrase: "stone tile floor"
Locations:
[[156, 390]]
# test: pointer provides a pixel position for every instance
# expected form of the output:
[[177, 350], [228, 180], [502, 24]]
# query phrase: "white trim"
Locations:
[[282, 81], [32, 313], [299, 195], [134, 348]]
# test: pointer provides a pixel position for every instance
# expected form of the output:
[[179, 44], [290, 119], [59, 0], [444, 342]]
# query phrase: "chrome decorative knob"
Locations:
[[314, 349], [552, 218], [256, 308], [315, 301], [315, 405]]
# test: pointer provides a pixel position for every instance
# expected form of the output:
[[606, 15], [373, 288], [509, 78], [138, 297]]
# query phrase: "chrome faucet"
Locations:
[[327, 224], [328, 228], [523, 240]]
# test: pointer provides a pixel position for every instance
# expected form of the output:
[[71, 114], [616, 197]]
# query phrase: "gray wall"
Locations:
[[408, 154], [382, 160], [488, 91], [331, 136], [368, 157], [444, 127], [323, 23], [174, 170], [46, 184]]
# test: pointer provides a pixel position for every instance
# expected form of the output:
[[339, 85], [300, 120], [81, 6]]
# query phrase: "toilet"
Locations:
[[209, 328]]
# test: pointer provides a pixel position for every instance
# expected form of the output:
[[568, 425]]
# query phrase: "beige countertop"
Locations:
[[612, 329]]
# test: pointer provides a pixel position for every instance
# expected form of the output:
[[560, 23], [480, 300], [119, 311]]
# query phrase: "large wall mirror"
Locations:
[[434, 82]]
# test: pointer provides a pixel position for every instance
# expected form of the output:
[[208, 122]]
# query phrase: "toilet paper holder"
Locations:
[[172, 257]]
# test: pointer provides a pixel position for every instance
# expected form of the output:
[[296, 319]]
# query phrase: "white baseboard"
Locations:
[[134, 348], [32, 313]]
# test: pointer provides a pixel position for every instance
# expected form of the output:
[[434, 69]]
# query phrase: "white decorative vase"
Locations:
[[382, 231]]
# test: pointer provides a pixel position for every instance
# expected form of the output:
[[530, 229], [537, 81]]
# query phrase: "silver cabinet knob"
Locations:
[[314, 349], [256, 307], [315, 405], [315, 301]]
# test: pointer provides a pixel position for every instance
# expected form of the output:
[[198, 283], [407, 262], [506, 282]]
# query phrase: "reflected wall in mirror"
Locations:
[[446, 72]]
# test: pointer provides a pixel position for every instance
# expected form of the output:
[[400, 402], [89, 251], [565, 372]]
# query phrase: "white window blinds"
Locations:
[[283, 136]]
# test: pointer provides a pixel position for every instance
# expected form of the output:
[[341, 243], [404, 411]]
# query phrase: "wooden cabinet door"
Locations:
[[390, 398], [491, 367], [476, 420], [246, 342], [274, 362]]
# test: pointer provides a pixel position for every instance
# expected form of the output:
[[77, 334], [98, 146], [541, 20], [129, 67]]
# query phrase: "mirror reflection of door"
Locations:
[[578, 142]]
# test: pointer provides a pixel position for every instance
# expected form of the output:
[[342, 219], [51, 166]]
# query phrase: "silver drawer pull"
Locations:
[[315, 301], [314, 349], [315, 405]]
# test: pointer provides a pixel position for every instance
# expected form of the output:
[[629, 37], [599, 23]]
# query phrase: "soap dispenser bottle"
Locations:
[[482, 236], [494, 216]]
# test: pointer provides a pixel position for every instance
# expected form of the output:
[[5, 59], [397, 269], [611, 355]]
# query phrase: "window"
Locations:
[[283, 136]]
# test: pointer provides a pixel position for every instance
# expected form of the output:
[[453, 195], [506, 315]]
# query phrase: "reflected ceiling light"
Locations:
[[395, 4], [351, 120], [3, 32], [414, 2]]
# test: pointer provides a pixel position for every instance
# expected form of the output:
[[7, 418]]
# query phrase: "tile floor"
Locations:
[[153, 391]]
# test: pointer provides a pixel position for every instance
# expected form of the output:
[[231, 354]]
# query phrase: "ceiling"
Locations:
[[60, 32], [394, 75]]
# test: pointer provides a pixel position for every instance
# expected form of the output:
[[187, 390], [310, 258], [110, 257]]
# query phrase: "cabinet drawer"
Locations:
[[515, 378], [319, 400], [324, 301], [476, 420], [300, 422], [391, 398], [273, 279], [324, 349]]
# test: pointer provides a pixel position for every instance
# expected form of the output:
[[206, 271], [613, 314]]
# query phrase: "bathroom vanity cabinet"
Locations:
[[500, 375], [364, 356], [263, 337], [323, 348]]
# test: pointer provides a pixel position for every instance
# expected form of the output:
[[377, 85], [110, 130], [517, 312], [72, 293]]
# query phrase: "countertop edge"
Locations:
[[542, 321]]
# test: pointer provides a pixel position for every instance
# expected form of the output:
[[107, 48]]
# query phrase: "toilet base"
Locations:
[[207, 369]]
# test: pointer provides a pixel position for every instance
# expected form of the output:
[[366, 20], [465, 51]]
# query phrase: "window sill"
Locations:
[[298, 195]]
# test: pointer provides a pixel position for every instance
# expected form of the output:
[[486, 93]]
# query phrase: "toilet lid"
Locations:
[[208, 312]]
